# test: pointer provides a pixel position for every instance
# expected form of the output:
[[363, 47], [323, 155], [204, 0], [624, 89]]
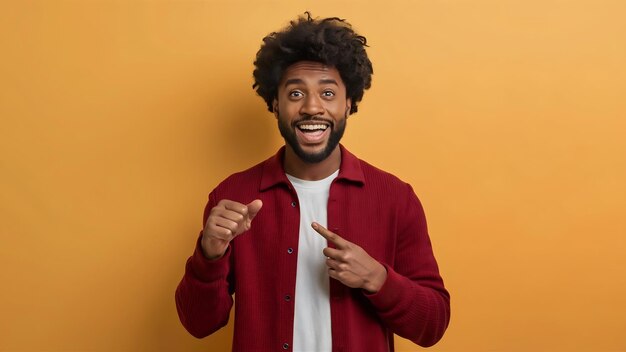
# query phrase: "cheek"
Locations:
[[289, 108], [339, 108]]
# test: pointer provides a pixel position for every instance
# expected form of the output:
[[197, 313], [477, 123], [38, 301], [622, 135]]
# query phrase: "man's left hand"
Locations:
[[350, 264]]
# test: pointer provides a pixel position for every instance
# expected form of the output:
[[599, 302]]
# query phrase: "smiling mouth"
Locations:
[[312, 127], [312, 132]]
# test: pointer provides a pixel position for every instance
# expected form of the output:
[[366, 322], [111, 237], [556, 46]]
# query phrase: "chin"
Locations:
[[319, 155]]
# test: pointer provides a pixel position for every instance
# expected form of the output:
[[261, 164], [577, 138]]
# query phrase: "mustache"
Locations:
[[312, 118]]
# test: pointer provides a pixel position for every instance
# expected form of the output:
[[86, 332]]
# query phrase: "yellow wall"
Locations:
[[118, 117]]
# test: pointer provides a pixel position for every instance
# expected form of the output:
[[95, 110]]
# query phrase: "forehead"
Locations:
[[310, 71]]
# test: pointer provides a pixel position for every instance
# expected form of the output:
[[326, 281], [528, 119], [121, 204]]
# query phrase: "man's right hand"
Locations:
[[227, 220]]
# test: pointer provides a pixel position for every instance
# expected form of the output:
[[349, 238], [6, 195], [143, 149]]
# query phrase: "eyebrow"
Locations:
[[299, 81]]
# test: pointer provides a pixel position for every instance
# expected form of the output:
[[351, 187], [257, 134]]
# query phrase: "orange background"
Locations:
[[118, 117]]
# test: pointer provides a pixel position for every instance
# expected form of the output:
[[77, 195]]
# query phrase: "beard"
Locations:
[[289, 134]]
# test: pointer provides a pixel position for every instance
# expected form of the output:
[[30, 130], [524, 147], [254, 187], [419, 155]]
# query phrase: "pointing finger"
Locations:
[[329, 235]]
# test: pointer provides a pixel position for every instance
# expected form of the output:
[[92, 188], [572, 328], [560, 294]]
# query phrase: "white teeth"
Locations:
[[312, 127]]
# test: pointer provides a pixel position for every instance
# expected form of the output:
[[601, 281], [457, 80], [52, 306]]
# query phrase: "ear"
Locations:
[[275, 107], [348, 106]]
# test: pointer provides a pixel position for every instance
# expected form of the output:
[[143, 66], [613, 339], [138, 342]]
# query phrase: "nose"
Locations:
[[312, 105]]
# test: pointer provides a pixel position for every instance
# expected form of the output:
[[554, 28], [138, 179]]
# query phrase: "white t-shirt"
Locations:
[[311, 327]]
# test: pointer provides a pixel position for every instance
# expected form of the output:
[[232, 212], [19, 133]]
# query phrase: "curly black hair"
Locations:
[[330, 41]]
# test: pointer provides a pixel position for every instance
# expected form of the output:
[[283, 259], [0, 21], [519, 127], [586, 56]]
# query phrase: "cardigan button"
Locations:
[[289, 250], [287, 298], [285, 346], [293, 204]]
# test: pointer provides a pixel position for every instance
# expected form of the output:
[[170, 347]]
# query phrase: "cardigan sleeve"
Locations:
[[413, 302], [204, 295]]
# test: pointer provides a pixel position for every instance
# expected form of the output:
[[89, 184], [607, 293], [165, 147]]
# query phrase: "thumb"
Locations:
[[253, 208]]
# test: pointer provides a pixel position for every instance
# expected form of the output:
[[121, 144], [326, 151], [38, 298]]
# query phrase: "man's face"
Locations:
[[311, 108]]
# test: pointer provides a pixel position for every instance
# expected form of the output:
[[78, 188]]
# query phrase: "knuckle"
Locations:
[[210, 235], [214, 236]]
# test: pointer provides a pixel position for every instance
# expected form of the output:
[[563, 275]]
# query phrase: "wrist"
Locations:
[[209, 251], [377, 280]]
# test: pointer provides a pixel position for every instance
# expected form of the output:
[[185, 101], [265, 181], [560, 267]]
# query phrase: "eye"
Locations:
[[296, 94], [328, 93]]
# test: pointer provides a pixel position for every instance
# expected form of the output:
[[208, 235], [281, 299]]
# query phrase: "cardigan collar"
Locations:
[[274, 173]]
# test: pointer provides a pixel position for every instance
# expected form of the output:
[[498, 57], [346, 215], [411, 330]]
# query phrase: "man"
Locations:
[[324, 251]]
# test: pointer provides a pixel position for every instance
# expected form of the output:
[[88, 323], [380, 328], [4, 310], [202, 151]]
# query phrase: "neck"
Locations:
[[294, 166]]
